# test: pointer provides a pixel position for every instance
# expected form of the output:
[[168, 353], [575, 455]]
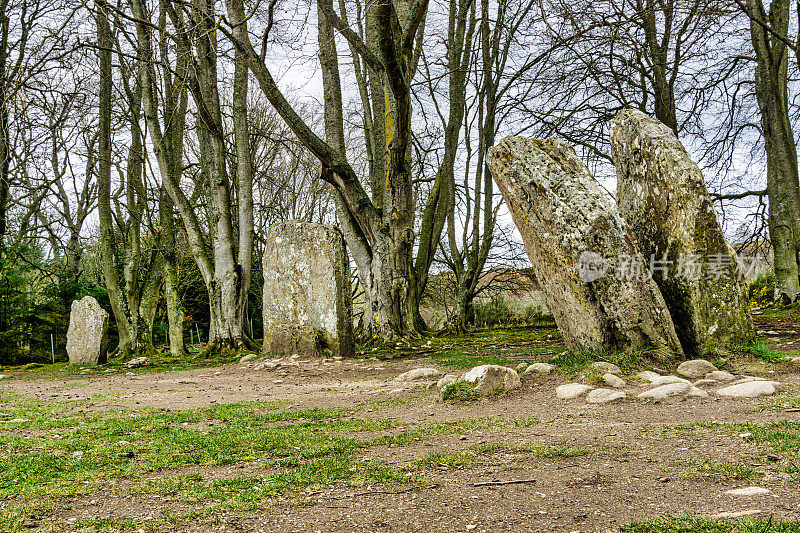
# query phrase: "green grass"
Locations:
[[760, 350], [53, 454], [719, 471], [159, 361], [466, 358], [459, 391], [679, 524]]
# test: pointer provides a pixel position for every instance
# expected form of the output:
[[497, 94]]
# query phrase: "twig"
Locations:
[[495, 483], [367, 493]]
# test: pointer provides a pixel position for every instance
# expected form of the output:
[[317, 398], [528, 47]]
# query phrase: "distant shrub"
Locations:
[[762, 290], [495, 312]]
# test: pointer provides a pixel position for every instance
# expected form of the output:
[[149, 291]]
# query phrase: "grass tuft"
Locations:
[[459, 391], [687, 524]]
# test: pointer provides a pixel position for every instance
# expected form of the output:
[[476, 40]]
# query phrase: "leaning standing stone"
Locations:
[[87, 336], [307, 298], [662, 196], [573, 233]]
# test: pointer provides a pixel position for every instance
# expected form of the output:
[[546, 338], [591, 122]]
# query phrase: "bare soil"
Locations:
[[638, 468]]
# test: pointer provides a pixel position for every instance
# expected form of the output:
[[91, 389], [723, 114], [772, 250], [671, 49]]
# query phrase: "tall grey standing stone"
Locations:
[[662, 196], [564, 218], [307, 300], [87, 336]]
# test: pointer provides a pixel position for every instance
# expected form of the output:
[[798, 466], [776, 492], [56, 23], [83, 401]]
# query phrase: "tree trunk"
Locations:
[[783, 185], [107, 245]]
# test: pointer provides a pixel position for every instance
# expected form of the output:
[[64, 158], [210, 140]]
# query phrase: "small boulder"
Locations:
[[604, 366], [696, 392], [539, 368], [446, 380], [249, 357], [720, 375], [666, 380], [521, 367], [748, 491], [490, 378], [572, 390], [648, 375], [748, 379], [137, 362], [696, 368], [613, 381], [666, 391], [750, 389], [604, 396], [419, 374], [704, 382]]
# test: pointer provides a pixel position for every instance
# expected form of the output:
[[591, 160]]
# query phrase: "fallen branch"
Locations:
[[495, 483]]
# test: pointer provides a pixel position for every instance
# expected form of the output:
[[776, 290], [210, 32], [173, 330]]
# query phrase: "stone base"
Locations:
[[288, 340]]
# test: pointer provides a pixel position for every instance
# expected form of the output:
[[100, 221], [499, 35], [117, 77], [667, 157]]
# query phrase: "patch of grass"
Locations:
[[51, 454], [685, 524], [459, 391], [719, 471], [760, 350], [466, 358]]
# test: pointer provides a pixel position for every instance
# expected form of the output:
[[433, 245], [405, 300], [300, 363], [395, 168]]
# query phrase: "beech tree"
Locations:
[[772, 42], [377, 219]]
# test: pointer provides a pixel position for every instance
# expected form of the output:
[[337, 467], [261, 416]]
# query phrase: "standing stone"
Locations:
[[662, 195], [573, 235], [307, 297], [87, 336]]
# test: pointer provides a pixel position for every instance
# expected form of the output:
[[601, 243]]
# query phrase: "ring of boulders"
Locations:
[[697, 378]]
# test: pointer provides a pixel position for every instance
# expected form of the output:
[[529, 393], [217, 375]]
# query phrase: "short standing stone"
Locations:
[[419, 374], [573, 234], [750, 389], [613, 381], [87, 337], [604, 396], [492, 378], [666, 391], [307, 295], [662, 195], [539, 368], [696, 368], [572, 390]]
